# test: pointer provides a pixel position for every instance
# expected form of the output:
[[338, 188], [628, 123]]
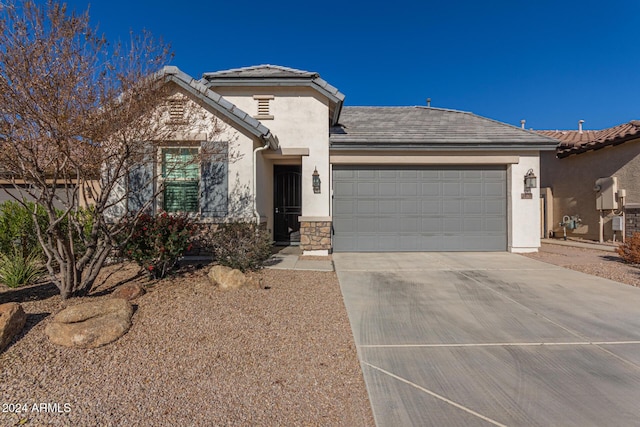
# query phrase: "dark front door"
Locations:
[[287, 204]]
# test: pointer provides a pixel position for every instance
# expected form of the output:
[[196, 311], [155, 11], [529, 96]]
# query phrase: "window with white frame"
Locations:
[[181, 179]]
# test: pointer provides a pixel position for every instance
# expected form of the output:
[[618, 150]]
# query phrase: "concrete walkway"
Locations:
[[290, 258], [477, 339]]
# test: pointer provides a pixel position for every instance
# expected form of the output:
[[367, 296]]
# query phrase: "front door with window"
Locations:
[[287, 204]]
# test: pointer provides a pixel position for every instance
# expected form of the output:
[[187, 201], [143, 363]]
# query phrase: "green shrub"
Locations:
[[18, 232], [629, 251], [17, 229], [17, 270], [157, 242], [241, 245]]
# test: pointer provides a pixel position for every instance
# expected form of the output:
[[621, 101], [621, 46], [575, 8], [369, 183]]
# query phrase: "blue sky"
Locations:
[[549, 62]]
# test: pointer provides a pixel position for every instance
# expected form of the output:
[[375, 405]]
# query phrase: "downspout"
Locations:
[[256, 214]]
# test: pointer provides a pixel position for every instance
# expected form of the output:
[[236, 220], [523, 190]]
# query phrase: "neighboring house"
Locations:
[[568, 180], [355, 178]]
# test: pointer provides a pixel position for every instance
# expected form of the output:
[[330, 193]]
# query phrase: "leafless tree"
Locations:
[[77, 116]]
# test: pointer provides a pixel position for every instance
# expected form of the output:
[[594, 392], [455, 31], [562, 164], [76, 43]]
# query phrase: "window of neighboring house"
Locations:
[[181, 179], [264, 107]]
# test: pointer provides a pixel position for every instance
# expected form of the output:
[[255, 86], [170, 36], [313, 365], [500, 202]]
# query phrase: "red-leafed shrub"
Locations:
[[629, 251], [157, 242]]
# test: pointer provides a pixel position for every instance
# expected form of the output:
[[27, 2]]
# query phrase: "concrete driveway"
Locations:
[[475, 339]]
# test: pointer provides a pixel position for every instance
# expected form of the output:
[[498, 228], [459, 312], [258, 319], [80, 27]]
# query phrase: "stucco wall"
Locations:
[[523, 213], [300, 120], [572, 179], [212, 127]]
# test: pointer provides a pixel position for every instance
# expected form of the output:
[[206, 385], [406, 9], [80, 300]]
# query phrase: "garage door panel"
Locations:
[[494, 189], [387, 189], [390, 225], [366, 207], [386, 207], [451, 189], [366, 225], [346, 189], [408, 189], [473, 207], [431, 206], [410, 225], [431, 189], [494, 207], [419, 208], [452, 225], [472, 189], [367, 189], [451, 207], [410, 174], [366, 174], [409, 207]]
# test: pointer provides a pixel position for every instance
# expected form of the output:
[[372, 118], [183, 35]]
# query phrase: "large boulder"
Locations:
[[12, 320], [130, 291], [91, 324], [229, 279]]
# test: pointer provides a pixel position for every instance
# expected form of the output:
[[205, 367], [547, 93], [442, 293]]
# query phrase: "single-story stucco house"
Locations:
[[593, 175], [335, 178]]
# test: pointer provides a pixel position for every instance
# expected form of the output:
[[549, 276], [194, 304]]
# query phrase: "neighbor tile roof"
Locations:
[[575, 142], [426, 127]]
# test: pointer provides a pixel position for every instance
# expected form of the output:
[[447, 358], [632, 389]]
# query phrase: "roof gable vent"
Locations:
[[264, 107]]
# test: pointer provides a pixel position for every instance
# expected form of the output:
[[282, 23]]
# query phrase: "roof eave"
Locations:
[[431, 146], [214, 100]]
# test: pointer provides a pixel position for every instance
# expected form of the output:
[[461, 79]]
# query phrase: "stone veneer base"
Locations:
[[315, 236]]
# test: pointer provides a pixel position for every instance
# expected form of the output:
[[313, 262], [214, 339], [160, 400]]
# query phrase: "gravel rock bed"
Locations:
[[281, 355], [591, 261]]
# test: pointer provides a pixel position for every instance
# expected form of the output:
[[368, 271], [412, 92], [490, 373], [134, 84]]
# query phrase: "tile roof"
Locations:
[[261, 71], [431, 128], [276, 75], [217, 102], [575, 142]]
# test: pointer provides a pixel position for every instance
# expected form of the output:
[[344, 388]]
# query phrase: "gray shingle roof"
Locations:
[[217, 103], [429, 128], [276, 75], [260, 71]]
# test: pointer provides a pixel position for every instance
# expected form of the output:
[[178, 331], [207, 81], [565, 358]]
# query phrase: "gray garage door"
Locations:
[[419, 209]]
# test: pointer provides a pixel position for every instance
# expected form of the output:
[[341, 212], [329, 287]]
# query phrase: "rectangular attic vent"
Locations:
[[176, 110], [264, 107]]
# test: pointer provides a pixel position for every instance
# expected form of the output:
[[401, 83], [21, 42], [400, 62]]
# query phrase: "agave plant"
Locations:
[[17, 270]]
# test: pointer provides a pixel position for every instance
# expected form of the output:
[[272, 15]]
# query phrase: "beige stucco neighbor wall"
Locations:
[[572, 179]]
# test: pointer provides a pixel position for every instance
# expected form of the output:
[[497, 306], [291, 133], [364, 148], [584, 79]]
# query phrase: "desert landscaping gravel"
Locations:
[[591, 261], [280, 355]]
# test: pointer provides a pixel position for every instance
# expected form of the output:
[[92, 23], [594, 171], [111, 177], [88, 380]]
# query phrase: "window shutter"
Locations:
[[141, 183], [214, 182]]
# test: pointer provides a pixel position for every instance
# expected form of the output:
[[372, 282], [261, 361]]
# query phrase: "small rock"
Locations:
[[229, 279], [91, 324], [12, 320], [130, 291]]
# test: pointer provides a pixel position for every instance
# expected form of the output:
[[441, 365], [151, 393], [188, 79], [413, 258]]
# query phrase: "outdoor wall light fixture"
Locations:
[[316, 181], [530, 181]]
